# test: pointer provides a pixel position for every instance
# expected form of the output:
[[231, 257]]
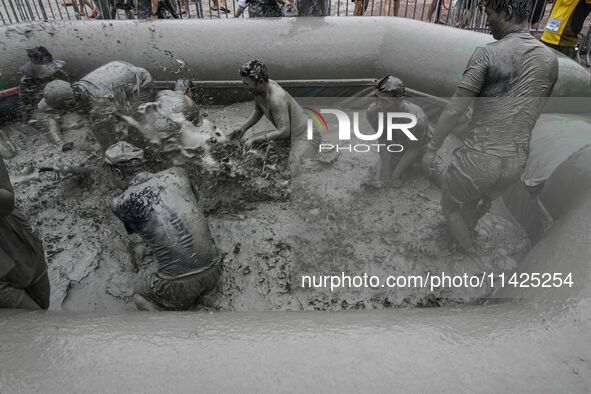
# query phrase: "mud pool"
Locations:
[[271, 228]]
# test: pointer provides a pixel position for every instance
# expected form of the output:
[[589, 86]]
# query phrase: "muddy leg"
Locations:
[[14, 298], [386, 165], [458, 218], [459, 228], [40, 290]]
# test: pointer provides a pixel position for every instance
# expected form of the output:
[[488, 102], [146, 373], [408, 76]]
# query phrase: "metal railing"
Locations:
[[463, 14], [457, 13]]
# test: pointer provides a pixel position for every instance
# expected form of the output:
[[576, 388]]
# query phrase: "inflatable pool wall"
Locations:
[[539, 342]]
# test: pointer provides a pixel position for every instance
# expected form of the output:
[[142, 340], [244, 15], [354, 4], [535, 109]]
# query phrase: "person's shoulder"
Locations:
[[277, 90], [545, 51], [372, 109]]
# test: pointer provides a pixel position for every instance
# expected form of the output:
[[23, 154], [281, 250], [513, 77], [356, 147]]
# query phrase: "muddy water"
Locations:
[[273, 229]]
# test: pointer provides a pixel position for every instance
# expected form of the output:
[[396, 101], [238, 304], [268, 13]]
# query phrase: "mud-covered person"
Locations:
[[38, 72], [391, 166], [162, 208], [511, 79], [288, 117], [24, 283], [114, 87], [170, 103]]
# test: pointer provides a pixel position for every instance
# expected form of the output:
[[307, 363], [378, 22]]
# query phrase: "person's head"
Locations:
[[58, 94], [39, 55], [186, 86], [254, 74], [42, 64], [389, 90], [124, 161], [504, 14]]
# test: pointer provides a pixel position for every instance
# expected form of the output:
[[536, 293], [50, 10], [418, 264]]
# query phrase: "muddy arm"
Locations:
[[6, 192], [282, 120], [450, 116], [256, 115]]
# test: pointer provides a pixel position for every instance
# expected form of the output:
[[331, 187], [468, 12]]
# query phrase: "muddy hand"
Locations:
[[249, 142], [236, 133]]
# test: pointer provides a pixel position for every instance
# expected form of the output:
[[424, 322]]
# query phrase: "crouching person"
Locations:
[[114, 87], [162, 208], [282, 110], [24, 283], [389, 94]]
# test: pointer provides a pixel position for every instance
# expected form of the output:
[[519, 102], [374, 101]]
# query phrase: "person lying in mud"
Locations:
[[272, 101], [115, 86], [24, 282], [512, 79], [162, 209], [389, 93]]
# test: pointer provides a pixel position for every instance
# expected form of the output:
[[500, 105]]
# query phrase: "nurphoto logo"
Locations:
[[388, 122]]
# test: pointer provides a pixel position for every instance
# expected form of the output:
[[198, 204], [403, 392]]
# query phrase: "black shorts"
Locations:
[[181, 293], [473, 175]]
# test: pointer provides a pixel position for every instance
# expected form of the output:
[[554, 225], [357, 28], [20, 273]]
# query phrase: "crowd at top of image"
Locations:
[[162, 207]]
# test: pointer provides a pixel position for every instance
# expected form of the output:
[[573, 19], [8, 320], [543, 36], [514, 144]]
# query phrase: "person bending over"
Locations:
[[116, 86], [389, 93], [162, 208], [288, 117], [511, 79]]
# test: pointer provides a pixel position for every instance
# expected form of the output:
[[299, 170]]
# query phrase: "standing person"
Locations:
[[82, 10], [435, 4], [360, 7], [467, 13], [389, 92], [511, 79], [564, 25], [220, 5], [272, 101], [390, 7], [24, 283], [162, 208], [242, 5]]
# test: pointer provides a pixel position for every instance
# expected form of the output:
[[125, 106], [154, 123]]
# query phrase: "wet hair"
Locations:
[[391, 85], [255, 70], [521, 8], [39, 55]]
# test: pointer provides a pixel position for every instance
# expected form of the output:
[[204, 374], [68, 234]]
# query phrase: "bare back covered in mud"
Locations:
[[281, 109]]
